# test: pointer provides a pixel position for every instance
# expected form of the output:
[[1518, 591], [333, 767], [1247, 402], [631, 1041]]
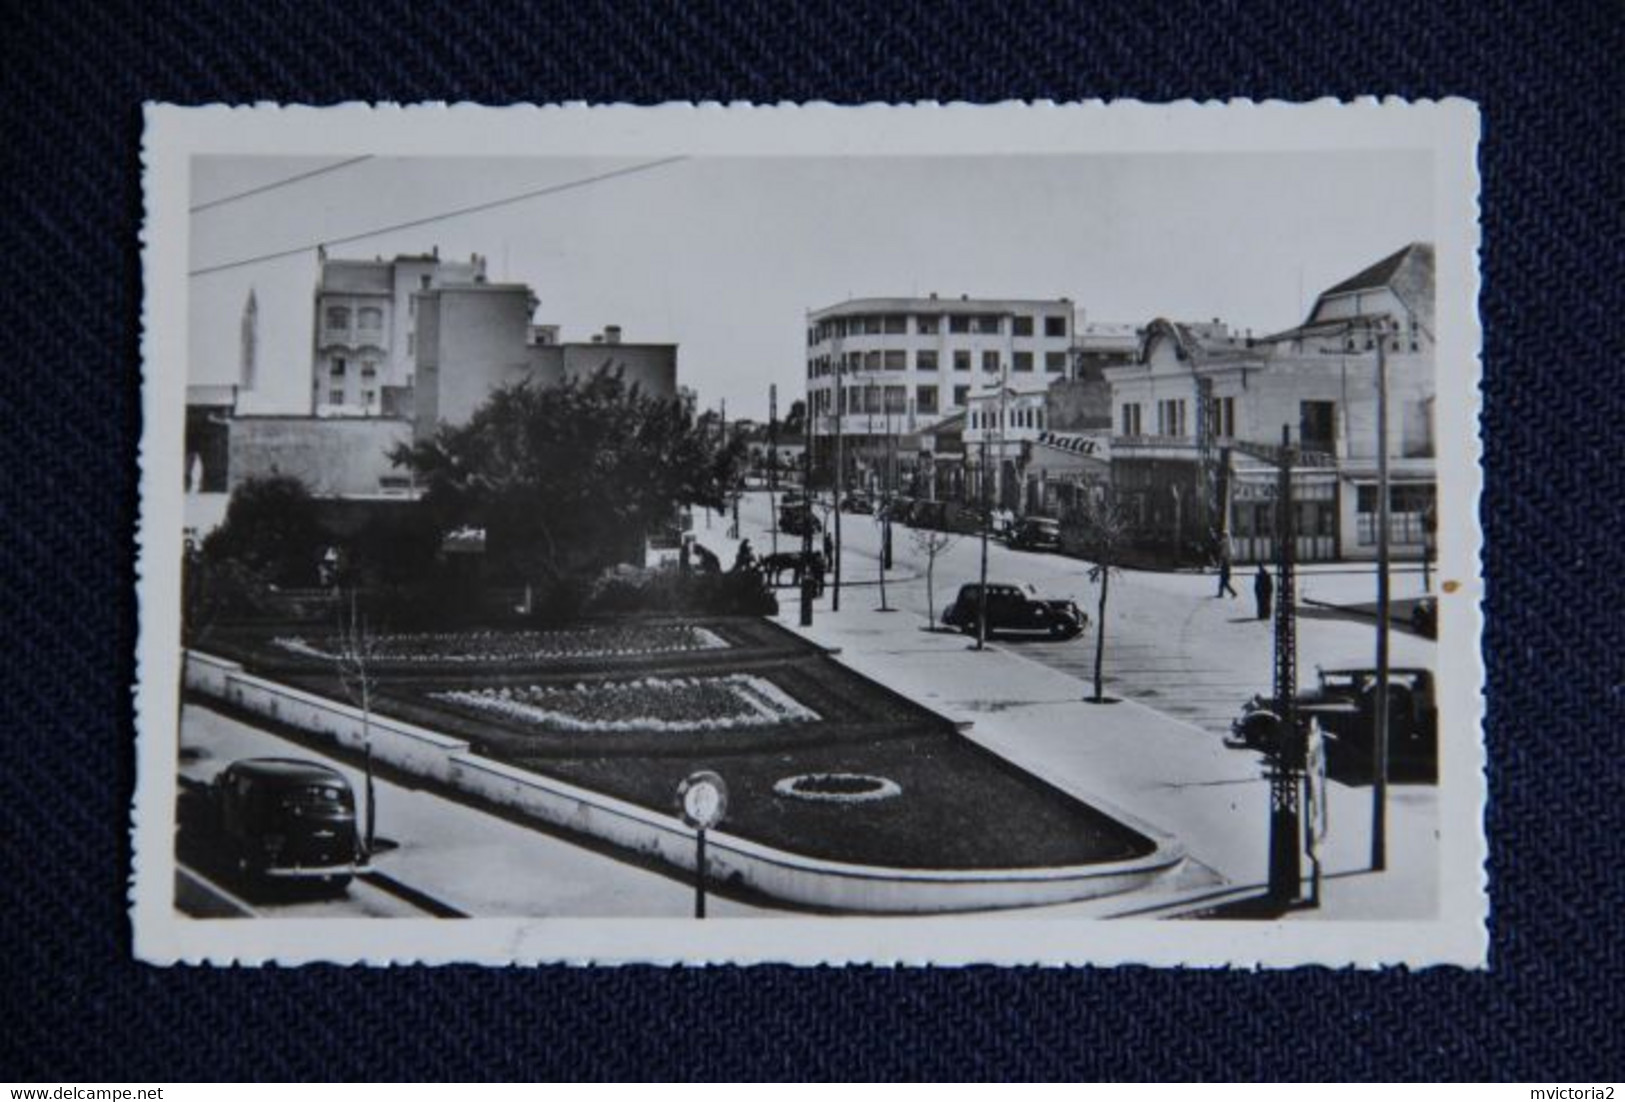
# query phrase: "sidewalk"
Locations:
[[1155, 772]]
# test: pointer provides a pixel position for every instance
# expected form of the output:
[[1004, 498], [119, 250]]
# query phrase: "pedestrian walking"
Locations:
[[829, 548], [1263, 591], [1224, 578]]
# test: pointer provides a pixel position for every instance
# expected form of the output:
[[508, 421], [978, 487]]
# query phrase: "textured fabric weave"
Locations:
[[78, 1008]]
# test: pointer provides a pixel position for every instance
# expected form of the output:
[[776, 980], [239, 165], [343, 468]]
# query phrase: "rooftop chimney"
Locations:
[[612, 334]]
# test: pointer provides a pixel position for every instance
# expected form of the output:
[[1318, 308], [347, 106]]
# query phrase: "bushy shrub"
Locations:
[[670, 591]]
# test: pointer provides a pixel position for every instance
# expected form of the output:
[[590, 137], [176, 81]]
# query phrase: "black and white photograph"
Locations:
[[1021, 534]]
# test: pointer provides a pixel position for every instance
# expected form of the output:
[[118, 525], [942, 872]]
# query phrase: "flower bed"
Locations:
[[838, 788], [470, 647], [673, 704]]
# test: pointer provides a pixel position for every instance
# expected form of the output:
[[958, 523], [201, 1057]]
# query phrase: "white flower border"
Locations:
[[765, 703], [885, 789], [702, 639]]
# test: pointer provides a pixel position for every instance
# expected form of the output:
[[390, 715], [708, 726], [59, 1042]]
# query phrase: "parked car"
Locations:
[[857, 503], [1425, 618], [797, 520], [288, 818], [1036, 534], [897, 509], [1013, 608], [1343, 701]]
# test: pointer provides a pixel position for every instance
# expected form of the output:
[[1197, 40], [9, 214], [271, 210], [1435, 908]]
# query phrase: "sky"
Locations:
[[724, 256]]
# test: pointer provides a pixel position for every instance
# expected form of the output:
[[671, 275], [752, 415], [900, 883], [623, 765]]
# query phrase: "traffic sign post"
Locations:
[[702, 799]]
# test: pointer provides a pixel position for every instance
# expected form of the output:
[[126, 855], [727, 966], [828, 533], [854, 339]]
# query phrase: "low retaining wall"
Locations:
[[410, 748], [779, 874]]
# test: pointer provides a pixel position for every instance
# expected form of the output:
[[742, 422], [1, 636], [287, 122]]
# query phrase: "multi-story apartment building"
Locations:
[[882, 370], [1200, 412], [401, 347], [365, 338]]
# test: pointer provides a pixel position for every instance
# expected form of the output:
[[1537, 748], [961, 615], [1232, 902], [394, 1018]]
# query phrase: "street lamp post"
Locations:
[[1379, 724], [840, 467]]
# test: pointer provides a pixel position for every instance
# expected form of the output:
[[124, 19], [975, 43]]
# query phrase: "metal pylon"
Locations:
[[1286, 760]]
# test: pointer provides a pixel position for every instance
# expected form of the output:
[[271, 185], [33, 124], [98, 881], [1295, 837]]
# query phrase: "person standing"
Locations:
[[745, 559], [1224, 578], [829, 548], [1263, 591]]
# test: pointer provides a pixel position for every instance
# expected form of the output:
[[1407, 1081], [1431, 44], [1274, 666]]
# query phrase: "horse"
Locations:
[[797, 563]]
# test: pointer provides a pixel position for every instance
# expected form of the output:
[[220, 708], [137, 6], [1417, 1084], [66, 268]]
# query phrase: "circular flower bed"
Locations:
[[838, 788]]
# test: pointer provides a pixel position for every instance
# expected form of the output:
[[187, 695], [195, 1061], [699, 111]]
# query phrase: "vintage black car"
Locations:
[[1012, 608], [1343, 701], [288, 818], [1425, 618], [858, 503], [797, 520], [1036, 534]]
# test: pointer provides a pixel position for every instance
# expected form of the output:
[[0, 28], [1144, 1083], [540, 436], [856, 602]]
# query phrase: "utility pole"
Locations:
[[1286, 763], [840, 466], [773, 464], [807, 515], [987, 523], [1379, 725]]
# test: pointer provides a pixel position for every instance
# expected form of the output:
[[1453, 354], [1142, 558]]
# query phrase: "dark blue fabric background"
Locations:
[[76, 1007]]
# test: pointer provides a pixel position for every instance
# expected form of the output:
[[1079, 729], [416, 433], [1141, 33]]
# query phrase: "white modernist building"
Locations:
[[881, 371]]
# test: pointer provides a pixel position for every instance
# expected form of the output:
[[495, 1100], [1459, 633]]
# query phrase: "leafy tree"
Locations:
[[794, 424], [568, 479], [1100, 526], [270, 531]]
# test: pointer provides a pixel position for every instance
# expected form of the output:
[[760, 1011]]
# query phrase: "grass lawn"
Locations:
[[779, 708]]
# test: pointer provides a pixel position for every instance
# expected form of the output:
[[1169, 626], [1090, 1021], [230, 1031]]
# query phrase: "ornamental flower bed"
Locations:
[[603, 641], [670, 704], [838, 788]]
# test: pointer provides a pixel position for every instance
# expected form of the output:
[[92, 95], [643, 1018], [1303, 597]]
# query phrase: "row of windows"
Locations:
[[926, 359], [1022, 417], [368, 318], [893, 399], [338, 366], [1021, 325]]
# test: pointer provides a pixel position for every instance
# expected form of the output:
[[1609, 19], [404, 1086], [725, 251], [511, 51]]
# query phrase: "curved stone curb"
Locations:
[[732, 860]]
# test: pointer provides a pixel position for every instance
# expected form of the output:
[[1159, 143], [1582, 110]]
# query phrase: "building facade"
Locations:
[[883, 371], [1201, 414], [403, 346], [365, 334]]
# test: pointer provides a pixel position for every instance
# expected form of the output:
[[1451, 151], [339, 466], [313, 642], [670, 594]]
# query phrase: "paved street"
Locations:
[[1169, 643]]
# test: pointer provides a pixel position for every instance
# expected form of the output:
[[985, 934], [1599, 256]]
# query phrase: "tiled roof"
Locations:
[[1379, 274]]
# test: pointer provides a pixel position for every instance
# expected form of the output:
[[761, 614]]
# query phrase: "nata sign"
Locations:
[[703, 799]]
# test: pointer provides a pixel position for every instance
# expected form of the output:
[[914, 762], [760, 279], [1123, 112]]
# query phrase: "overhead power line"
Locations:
[[551, 189], [274, 184]]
